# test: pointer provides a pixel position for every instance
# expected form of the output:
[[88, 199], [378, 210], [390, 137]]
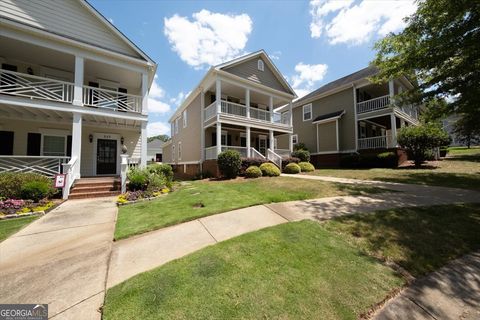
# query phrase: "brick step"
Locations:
[[96, 185], [83, 189], [96, 194]]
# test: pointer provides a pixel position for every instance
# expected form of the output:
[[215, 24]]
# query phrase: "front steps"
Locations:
[[95, 187]]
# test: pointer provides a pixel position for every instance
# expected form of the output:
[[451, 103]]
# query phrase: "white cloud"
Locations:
[[179, 98], [111, 20], [275, 55], [306, 76], [156, 128], [346, 21], [155, 96], [209, 38]]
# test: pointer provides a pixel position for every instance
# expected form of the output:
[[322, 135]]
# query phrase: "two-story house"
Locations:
[[73, 91], [350, 114], [231, 108]]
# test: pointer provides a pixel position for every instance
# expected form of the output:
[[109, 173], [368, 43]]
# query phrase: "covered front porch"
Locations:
[[379, 132]]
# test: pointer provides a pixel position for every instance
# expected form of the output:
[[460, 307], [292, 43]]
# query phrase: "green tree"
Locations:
[[467, 131], [162, 137], [440, 49], [419, 140]]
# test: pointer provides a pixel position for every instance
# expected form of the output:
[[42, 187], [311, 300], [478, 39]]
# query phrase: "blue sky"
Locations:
[[311, 43]]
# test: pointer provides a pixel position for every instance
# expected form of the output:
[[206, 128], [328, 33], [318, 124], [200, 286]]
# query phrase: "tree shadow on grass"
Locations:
[[442, 179]]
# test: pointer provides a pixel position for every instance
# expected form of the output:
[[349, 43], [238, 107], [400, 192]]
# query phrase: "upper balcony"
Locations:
[[245, 105], [39, 73]]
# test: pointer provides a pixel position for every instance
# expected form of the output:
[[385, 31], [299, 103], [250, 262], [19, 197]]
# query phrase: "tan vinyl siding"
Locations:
[[189, 136], [249, 70], [68, 18], [167, 153], [282, 141], [306, 131], [327, 137]]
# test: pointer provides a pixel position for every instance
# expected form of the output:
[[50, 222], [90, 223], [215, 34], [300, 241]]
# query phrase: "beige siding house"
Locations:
[[73, 91], [349, 115], [232, 108]]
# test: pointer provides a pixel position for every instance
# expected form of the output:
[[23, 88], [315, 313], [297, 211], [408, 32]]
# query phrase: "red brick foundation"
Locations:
[[325, 160], [186, 171], [210, 167]]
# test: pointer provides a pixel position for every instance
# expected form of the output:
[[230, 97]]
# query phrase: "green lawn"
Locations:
[[292, 271], [203, 198], [418, 239], [463, 151], [10, 226], [460, 170]]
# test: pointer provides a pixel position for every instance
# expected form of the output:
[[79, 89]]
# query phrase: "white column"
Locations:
[[272, 140], [202, 131], [290, 142], [143, 147], [144, 93], [270, 105], [247, 101], [290, 114], [391, 88], [77, 143], [78, 88], [393, 131], [123, 172], [247, 129], [218, 95], [219, 138]]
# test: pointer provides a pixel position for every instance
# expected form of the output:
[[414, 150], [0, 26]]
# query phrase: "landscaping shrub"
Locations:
[[369, 160], [300, 146], [292, 168], [350, 160], [156, 182], [138, 179], [162, 169], [253, 172], [11, 183], [388, 159], [269, 170], [287, 160], [229, 163], [248, 162], [306, 167], [36, 190], [303, 155]]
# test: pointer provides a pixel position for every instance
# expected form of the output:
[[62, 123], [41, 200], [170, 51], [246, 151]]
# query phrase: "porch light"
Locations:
[[90, 137]]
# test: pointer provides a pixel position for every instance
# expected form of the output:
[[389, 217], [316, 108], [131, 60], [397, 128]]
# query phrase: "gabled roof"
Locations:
[[329, 116], [349, 79], [155, 144], [255, 55]]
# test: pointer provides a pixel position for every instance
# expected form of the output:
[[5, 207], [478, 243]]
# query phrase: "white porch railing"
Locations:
[[48, 166], [254, 153], [260, 114], [25, 85], [69, 170], [211, 153], [373, 104], [282, 152], [102, 98], [233, 108], [373, 143], [210, 111], [275, 158], [241, 150], [410, 110]]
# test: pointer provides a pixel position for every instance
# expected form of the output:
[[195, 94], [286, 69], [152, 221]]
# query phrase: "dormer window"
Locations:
[[260, 65]]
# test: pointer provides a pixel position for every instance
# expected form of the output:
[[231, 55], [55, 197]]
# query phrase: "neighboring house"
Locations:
[[349, 115], [73, 90], [154, 150], [231, 108]]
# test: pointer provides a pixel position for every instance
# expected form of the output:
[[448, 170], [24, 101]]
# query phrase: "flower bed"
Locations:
[[13, 208], [136, 196]]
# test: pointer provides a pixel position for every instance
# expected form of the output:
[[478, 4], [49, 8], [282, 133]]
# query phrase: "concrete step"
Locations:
[[94, 194], [83, 189]]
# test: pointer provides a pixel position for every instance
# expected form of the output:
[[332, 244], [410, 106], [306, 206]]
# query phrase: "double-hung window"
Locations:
[[180, 151], [294, 139], [307, 112], [185, 118], [55, 146], [176, 125]]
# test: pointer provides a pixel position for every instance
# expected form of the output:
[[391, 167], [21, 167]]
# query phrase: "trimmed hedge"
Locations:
[[303, 155], [229, 163], [306, 167], [370, 160], [287, 160], [36, 190], [12, 183], [253, 172], [248, 162], [292, 168], [269, 170]]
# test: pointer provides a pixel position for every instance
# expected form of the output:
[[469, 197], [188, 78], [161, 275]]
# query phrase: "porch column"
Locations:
[[143, 147], [78, 87], [391, 88], [270, 105], [290, 114], [247, 101], [219, 138], [290, 142], [272, 140], [144, 93], [77, 143], [393, 124], [247, 129], [202, 131], [218, 95]]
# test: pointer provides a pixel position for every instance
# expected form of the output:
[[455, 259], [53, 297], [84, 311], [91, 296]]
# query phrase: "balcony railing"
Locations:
[[380, 142], [373, 104], [211, 152], [240, 110], [34, 87], [48, 166], [108, 99]]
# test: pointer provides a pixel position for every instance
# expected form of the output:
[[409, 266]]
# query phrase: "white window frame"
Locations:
[[42, 149], [179, 150], [173, 152], [303, 112], [294, 139], [224, 134], [176, 125], [260, 65], [172, 128], [184, 118]]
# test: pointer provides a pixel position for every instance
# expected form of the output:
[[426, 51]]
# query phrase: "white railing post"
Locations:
[[271, 139], [123, 172], [77, 142], [393, 123], [247, 129], [66, 188], [78, 88], [219, 138], [270, 106]]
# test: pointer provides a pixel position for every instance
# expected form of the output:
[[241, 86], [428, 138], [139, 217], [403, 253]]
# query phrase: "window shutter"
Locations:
[[33, 144], [6, 147], [69, 146], [214, 138]]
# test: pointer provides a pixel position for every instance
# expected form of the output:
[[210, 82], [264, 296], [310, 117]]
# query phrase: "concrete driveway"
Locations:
[[61, 259]]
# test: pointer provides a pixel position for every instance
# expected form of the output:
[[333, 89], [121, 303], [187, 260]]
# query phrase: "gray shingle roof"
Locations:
[[329, 115]]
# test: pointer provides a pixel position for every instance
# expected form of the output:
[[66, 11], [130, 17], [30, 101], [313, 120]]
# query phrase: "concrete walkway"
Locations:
[[61, 259], [453, 292]]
